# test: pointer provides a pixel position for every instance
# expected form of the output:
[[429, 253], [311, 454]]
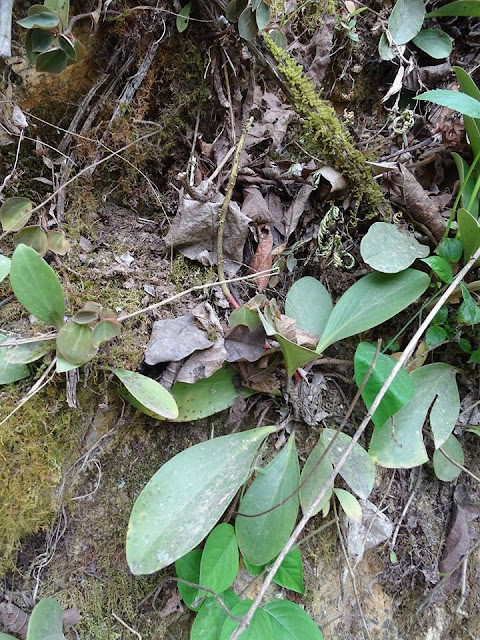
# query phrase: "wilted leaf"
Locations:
[[174, 339], [435, 42], [406, 20], [58, 243], [34, 237], [385, 248], [309, 303], [186, 497], [148, 392], [15, 213]]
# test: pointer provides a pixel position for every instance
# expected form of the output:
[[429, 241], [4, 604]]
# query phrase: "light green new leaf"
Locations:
[[183, 18], [186, 497], [311, 488], [36, 286], [349, 504], [209, 620], [454, 100], [105, 330], [28, 352], [260, 628], [462, 169], [244, 316], [46, 621], [465, 8], [398, 394], [10, 372], [290, 573], [188, 568], [370, 301], [469, 233], [435, 42], [435, 387], [74, 343], [444, 469], [359, 470], [4, 267], [219, 565], [387, 249], [262, 538], [309, 303], [406, 20], [58, 243], [205, 397], [149, 393], [15, 213], [291, 622]]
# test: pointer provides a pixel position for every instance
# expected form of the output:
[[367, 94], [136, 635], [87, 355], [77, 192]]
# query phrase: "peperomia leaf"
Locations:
[[36, 286], [219, 564], [290, 573], [291, 622], [46, 621], [148, 392], [370, 301], [398, 394], [444, 469], [359, 470], [234, 9], [261, 538], [387, 249], [209, 620], [262, 15], [401, 445], [186, 497], [435, 42], [454, 100], [310, 488], [40, 40], [309, 303], [385, 51], [183, 18], [260, 627], [43, 20], [406, 20], [4, 267]]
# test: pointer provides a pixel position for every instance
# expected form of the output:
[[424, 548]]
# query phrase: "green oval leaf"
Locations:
[[52, 61], [434, 336], [385, 51], [387, 249], [10, 372], [262, 16], [234, 9], [291, 622], [105, 330], [67, 46], [42, 20], [247, 25], [398, 394], [435, 389], [465, 8], [260, 628], [205, 397], [440, 267], [349, 504], [149, 393], [4, 267], [186, 497], [444, 469], [278, 38], [63, 365], [209, 621], [309, 303], [183, 18], [40, 40], [450, 248], [359, 469], [219, 565], [84, 316], [15, 213], [34, 237], [36, 286], [435, 42], [260, 539], [311, 488], [74, 343], [188, 568], [290, 573], [406, 20], [454, 100], [46, 621], [370, 301]]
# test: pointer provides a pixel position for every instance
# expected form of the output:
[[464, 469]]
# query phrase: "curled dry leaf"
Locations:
[[262, 260], [175, 339], [255, 207]]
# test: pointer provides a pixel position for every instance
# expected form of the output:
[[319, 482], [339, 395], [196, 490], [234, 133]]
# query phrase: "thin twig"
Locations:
[[308, 514], [8, 176], [210, 591], [127, 626], [458, 465], [223, 213]]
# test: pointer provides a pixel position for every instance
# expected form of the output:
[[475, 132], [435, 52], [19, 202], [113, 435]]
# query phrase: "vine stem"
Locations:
[[223, 214], [341, 462]]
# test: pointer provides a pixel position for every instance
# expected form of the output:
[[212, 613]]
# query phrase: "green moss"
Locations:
[[325, 134], [35, 443], [186, 273]]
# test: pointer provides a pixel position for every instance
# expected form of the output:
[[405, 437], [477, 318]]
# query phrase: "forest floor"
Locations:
[[74, 458]]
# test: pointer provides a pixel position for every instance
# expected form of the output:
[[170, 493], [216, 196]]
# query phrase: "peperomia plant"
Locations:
[[46, 622]]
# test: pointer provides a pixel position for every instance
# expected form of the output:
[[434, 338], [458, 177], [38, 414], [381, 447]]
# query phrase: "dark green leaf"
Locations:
[[15, 213], [53, 61], [80, 51], [34, 237], [387, 249], [148, 392], [247, 25], [58, 243], [260, 627], [444, 469], [291, 622], [469, 311], [46, 621], [309, 304], [40, 40], [209, 620], [464, 345], [235, 8], [36, 286], [85, 317], [441, 316], [474, 356], [260, 539], [406, 20], [440, 267], [186, 497], [435, 42], [262, 15], [398, 394], [74, 343], [219, 565], [188, 568], [183, 18], [435, 335], [465, 8], [469, 185], [469, 230], [10, 372], [42, 20], [450, 249], [290, 573], [280, 40], [453, 100], [66, 45]]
